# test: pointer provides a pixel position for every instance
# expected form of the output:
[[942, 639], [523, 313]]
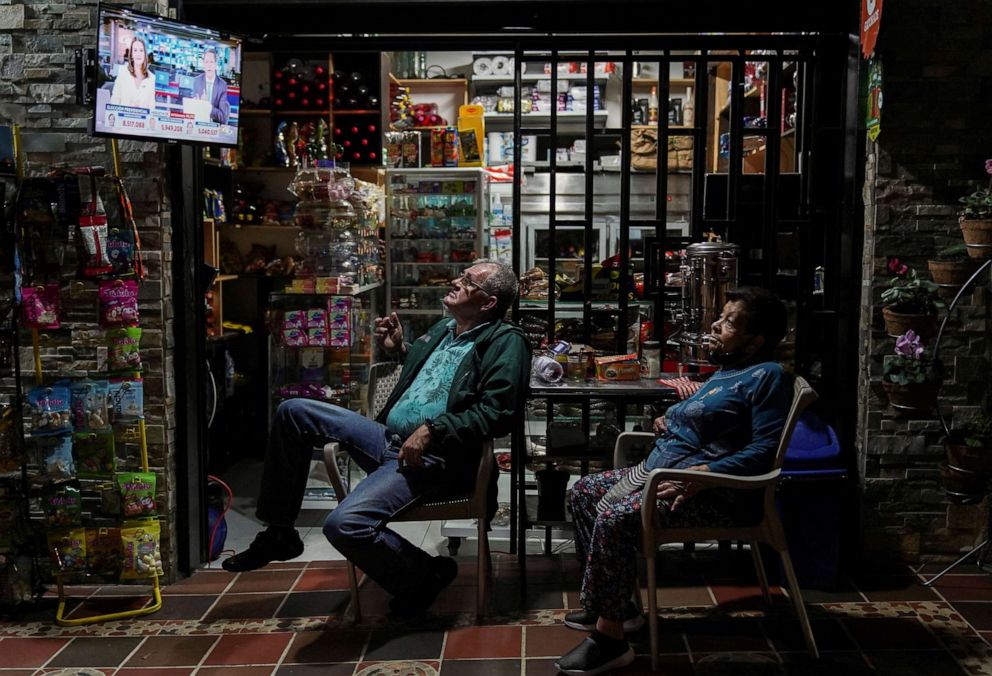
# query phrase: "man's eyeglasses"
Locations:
[[470, 284]]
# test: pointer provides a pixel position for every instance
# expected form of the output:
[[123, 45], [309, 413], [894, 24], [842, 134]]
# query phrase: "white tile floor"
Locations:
[[244, 477]]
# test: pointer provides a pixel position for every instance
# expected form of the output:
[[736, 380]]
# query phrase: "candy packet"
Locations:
[[68, 549], [119, 303], [62, 505], [103, 551], [294, 319], [317, 337], [137, 494], [95, 454], [294, 337], [93, 258], [121, 250], [316, 319], [50, 407], [55, 457], [141, 556], [123, 353], [126, 400], [40, 306], [89, 405]]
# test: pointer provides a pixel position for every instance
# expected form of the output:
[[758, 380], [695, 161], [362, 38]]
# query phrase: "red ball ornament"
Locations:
[[347, 144], [279, 103], [292, 95], [320, 103], [338, 156], [306, 88], [319, 70], [356, 155], [278, 74], [365, 141], [372, 156], [354, 130], [337, 131], [304, 102], [372, 128], [321, 86], [278, 86], [292, 82]]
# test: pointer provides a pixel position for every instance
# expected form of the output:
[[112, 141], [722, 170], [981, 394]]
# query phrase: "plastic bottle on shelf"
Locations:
[[653, 106], [688, 108]]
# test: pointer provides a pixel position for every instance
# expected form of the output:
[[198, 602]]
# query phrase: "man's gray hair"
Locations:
[[502, 283]]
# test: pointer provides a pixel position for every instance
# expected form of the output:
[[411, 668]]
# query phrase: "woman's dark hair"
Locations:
[[764, 312]]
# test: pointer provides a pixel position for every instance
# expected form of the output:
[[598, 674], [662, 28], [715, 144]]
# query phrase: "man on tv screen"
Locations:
[[213, 88]]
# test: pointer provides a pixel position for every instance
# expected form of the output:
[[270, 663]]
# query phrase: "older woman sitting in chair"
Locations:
[[731, 424]]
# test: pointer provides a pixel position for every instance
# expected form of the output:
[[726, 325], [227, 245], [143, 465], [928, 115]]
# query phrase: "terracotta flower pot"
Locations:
[[912, 399], [971, 458], [898, 323], [950, 276], [962, 482], [977, 233]]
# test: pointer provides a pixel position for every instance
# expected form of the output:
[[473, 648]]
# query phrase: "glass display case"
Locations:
[[434, 231]]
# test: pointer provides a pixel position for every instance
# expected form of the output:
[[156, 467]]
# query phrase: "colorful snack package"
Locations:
[[137, 494], [50, 407], [119, 303], [316, 319], [294, 337], [126, 400], [141, 556], [340, 337], [68, 549], [93, 259], [55, 457], [89, 405], [294, 319], [40, 306], [103, 551], [62, 505], [95, 454], [317, 337], [11, 453], [121, 249], [123, 353]]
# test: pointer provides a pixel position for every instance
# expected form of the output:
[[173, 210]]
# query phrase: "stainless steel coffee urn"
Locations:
[[709, 271]]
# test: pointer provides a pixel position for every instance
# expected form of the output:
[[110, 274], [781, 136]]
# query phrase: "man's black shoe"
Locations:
[[583, 620], [268, 546], [445, 570], [595, 655]]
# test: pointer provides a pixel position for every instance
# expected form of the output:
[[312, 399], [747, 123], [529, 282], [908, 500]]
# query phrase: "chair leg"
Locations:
[[353, 584], [759, 569], [482, 570], [652, 611], [797, 600]]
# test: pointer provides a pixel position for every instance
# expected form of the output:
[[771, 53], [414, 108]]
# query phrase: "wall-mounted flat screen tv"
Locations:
[[161, 80]]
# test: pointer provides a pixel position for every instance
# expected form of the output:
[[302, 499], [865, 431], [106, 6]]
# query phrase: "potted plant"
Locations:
[[970, 447], [951, 268], [910, 303], [976, 219], [910, 378]]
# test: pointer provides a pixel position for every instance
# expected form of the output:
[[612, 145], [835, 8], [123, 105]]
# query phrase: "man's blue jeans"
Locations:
[[357, 526]]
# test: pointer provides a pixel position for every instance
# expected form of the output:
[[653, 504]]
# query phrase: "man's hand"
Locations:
[[413, 448], [680, 491], [389, 333], [659, 426]]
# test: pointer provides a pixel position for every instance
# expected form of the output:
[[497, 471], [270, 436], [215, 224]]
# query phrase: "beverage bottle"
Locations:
[[653, 106]]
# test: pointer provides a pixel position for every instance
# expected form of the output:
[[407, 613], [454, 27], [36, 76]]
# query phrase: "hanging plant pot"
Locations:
[[971, 458], [977, 233], [898, 323], [963, 483], [950, 275], [912, 399]]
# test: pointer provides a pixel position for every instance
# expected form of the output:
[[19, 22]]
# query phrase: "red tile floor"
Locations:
[[291, 619]]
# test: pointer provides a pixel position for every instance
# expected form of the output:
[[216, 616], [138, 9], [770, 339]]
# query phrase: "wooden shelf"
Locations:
[[356, 112], [534, 77], [438, 82], [320, 112], [789, 132], [258, 226], [672, 82], [654, 126], [225, 278]]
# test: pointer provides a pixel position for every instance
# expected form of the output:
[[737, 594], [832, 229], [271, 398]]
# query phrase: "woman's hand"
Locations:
[[679, 491], [659, 426]]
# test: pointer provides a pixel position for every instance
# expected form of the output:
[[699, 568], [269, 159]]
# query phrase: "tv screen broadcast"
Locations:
[[162, 80]]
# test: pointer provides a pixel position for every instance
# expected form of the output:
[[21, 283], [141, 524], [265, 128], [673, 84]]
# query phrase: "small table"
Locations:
[[620, 392]]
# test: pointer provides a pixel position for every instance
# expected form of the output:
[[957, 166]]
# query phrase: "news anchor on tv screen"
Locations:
[[135, 84], [211, 87]]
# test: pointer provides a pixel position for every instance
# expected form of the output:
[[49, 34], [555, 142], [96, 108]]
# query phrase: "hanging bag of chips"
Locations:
[[49, 406], [89, 405], [40, 306], [142, 557], [62, 505], [68, 549], [119, 303], [94, 260], [126, 400], [137, 494], [123, 352]]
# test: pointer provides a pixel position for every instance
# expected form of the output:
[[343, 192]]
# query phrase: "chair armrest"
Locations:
[[706, 479], [333, 473], [625, 442]]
